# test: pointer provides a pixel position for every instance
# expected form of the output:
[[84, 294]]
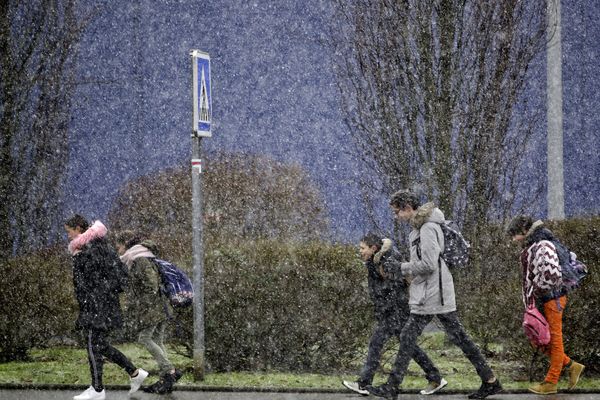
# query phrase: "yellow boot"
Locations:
[[575, 370], [544, 388]]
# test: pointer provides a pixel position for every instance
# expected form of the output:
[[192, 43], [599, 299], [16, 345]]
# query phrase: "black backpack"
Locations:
[[455, 253], [456, 248], [573, 270]]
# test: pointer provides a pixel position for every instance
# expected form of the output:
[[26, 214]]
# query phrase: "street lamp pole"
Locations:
[[554, 113]]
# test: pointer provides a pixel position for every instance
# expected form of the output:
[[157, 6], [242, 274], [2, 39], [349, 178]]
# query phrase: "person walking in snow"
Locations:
[[390, 301], [541, 286], [97, 282], [145, 307], [431, 295]]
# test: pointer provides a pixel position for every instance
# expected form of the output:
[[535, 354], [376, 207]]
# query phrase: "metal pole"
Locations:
[[201, 128], [554, 113], [198, 276]]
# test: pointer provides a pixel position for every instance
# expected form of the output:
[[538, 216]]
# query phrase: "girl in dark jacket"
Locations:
[[97, 282], [390, 300]]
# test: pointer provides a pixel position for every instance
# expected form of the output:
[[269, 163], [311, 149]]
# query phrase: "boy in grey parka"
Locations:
[[431, 295], [432, 287]]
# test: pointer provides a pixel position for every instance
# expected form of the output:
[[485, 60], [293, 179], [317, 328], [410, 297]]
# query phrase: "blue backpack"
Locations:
[[175, 284]]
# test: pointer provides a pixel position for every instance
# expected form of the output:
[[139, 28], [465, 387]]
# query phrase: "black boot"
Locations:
[[165, 384], [487, 389], [154, 387], [386, 391]]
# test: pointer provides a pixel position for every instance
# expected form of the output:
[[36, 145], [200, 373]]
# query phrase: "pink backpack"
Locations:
[[536, 327]]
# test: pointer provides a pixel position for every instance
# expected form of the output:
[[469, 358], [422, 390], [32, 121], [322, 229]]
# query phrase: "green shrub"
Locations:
[[270, 305], [36, 302]]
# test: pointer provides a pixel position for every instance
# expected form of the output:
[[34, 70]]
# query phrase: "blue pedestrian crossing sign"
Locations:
[[202, 97]]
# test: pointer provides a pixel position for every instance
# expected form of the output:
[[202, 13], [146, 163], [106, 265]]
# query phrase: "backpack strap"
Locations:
[[417, 244], [440, 280]]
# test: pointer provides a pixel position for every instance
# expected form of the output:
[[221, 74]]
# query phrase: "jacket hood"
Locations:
[[387, 246], [150, 245], [135, 252], [537, 233], [428, 212], [96, 231]]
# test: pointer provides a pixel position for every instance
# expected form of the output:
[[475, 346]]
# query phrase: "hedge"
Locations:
[[267, 305], [304, 306], [287, 307], [36, 302]]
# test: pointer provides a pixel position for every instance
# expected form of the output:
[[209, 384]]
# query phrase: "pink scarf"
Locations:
[[134, 252], [97, 230]]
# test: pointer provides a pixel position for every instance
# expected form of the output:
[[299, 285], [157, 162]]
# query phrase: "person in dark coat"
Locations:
[[98, 281], [146, 308], [390, 304]]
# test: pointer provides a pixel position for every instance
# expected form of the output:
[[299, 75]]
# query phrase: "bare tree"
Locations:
[[433, 94], [38, 46]]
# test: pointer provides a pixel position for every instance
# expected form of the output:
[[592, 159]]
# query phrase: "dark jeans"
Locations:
[[99, 348], [457, 335], [383, 332]]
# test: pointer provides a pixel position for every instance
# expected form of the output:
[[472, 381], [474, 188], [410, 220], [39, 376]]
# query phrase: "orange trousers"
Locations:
[[555, 349]]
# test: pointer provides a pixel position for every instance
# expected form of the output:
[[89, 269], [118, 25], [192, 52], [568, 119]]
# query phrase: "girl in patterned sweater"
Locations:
[[542, 286]]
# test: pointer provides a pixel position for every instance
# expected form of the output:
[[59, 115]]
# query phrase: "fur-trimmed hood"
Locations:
[[537, 233], [386, 247], [534, 226], [150, 245], [428, 212], [97, 230]]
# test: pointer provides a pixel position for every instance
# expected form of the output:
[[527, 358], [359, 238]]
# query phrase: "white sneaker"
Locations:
[[90, 394], [355, 387], [434, 387], [137, 380]]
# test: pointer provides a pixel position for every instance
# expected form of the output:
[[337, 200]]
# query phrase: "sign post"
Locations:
[[201, 128]]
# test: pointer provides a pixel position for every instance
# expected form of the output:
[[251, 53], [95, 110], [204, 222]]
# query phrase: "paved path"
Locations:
[[32, 394]]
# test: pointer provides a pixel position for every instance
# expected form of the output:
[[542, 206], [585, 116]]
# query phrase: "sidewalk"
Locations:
[[195, 394]]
